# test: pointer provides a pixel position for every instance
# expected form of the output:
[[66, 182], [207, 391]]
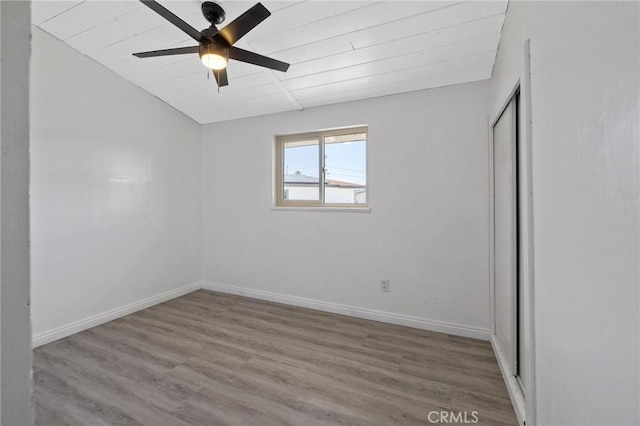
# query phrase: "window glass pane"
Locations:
[[301, 168], [345, 161]]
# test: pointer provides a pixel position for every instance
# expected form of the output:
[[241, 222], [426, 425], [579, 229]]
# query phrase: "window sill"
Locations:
[[322, 209]]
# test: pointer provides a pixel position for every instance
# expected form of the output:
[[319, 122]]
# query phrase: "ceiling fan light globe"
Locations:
[[214, 61]]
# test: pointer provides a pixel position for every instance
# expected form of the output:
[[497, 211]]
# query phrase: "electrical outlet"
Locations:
[[385, 286]]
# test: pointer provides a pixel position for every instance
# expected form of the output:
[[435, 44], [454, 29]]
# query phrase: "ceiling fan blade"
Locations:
[[244, 23], [256, 59], [166, 14], [221, 77], [167, 52]]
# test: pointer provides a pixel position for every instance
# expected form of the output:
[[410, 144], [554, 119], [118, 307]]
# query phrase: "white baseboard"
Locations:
[[94, 320], [388, 317], [517, 398]]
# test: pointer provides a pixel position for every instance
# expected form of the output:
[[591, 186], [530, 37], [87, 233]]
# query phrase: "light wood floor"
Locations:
[[214, 359]]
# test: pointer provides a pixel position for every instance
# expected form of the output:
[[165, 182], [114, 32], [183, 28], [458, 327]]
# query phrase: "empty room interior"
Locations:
[[320, 212]]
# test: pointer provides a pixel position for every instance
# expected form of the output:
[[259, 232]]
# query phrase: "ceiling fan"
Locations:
[[216, 47]]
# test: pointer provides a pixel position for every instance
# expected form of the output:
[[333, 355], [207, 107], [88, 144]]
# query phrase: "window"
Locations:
[[322, 169]]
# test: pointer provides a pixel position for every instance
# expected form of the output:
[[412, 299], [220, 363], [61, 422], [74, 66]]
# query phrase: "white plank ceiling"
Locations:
[[339, 50]]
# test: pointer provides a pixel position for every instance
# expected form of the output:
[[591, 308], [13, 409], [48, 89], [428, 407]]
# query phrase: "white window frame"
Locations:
[[281, 140]]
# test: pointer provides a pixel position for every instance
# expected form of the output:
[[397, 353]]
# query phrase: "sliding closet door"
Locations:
[[505, 240]]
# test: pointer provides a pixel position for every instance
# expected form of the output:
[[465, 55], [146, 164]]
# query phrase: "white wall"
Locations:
[[428, 227], [115, 190], [585, 108], [15, 342]]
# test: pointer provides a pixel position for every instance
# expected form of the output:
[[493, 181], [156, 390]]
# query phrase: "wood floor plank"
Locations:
[[441, 357], [52, 405], [127, 343], [491, 407], [377, 405], [415, 346], [124, 371], [103, 396], [341, 346], [457, 378], [217, 359], [278, 402], [291, 352]]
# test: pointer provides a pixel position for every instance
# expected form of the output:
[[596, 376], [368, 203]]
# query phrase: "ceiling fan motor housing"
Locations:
[[214, 48]]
